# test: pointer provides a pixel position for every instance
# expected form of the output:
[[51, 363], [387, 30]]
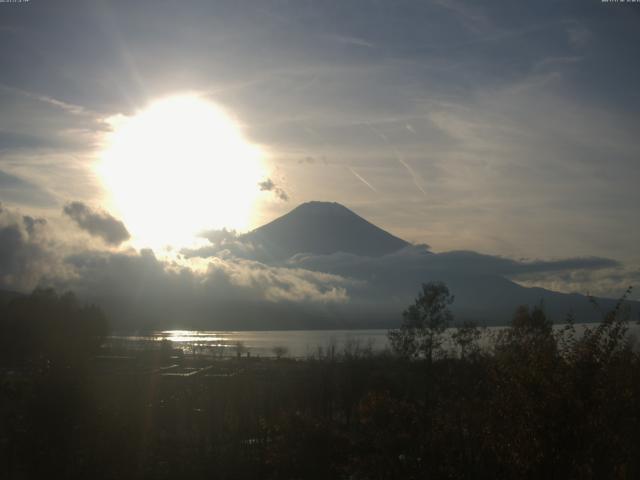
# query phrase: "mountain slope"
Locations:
[[323, 228]]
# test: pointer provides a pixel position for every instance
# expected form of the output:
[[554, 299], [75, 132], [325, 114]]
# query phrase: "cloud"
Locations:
[[219, 236], [382, 286], [578, 35], [226, 244], [67, 107], [397, 274], [605, 282], [513, 129], [33, 224], [348, 40], [27, 255], [417, 258], [36, 122], [20, 191], [485, 285], [230, 288], [470, 262], [97, 224], [136, 288], [308, 160], [469, 13], [524, 169], [269, 186], [278, 283]]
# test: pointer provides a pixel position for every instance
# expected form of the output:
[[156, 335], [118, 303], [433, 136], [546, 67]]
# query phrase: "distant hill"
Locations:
[[323, 228]]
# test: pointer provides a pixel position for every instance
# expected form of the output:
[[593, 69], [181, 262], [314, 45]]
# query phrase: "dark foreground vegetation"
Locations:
[[538, 404]]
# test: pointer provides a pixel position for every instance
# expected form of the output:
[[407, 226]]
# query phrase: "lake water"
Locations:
[[298, 343]]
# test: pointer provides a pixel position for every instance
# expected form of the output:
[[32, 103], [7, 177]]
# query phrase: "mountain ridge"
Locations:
[[312, 235]]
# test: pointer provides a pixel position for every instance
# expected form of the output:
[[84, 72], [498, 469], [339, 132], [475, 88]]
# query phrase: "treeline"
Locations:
[[539, 403], [46, 331]]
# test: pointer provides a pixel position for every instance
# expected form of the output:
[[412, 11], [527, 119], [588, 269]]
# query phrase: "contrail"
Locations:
[[359, 177], [69, 107], [416, 178]]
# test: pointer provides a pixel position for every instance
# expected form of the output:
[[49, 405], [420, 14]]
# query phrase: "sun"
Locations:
[[180, 166]]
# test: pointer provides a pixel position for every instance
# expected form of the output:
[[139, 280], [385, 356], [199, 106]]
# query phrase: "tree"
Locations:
[[424, 322], [530, 335], [280, 351], [52, 339], [466, 338], [48, 329], [240, 348]]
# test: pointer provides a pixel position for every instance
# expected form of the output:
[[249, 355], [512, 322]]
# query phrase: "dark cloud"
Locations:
[[96, 223], [32, 224], [26, 256], [473, 262], [269, 186], [420, 258]]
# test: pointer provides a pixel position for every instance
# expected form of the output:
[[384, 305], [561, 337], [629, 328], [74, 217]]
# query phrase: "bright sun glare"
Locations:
[[177, 168]]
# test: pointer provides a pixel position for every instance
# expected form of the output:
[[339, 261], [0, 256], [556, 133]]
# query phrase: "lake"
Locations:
[[298, 343]]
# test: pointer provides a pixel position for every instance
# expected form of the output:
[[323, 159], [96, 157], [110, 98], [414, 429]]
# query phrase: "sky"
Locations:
[[505, 128]]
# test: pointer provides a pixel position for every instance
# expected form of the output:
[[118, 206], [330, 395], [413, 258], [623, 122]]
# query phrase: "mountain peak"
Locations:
[[320, 204], [316, 207], [323, 228]]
